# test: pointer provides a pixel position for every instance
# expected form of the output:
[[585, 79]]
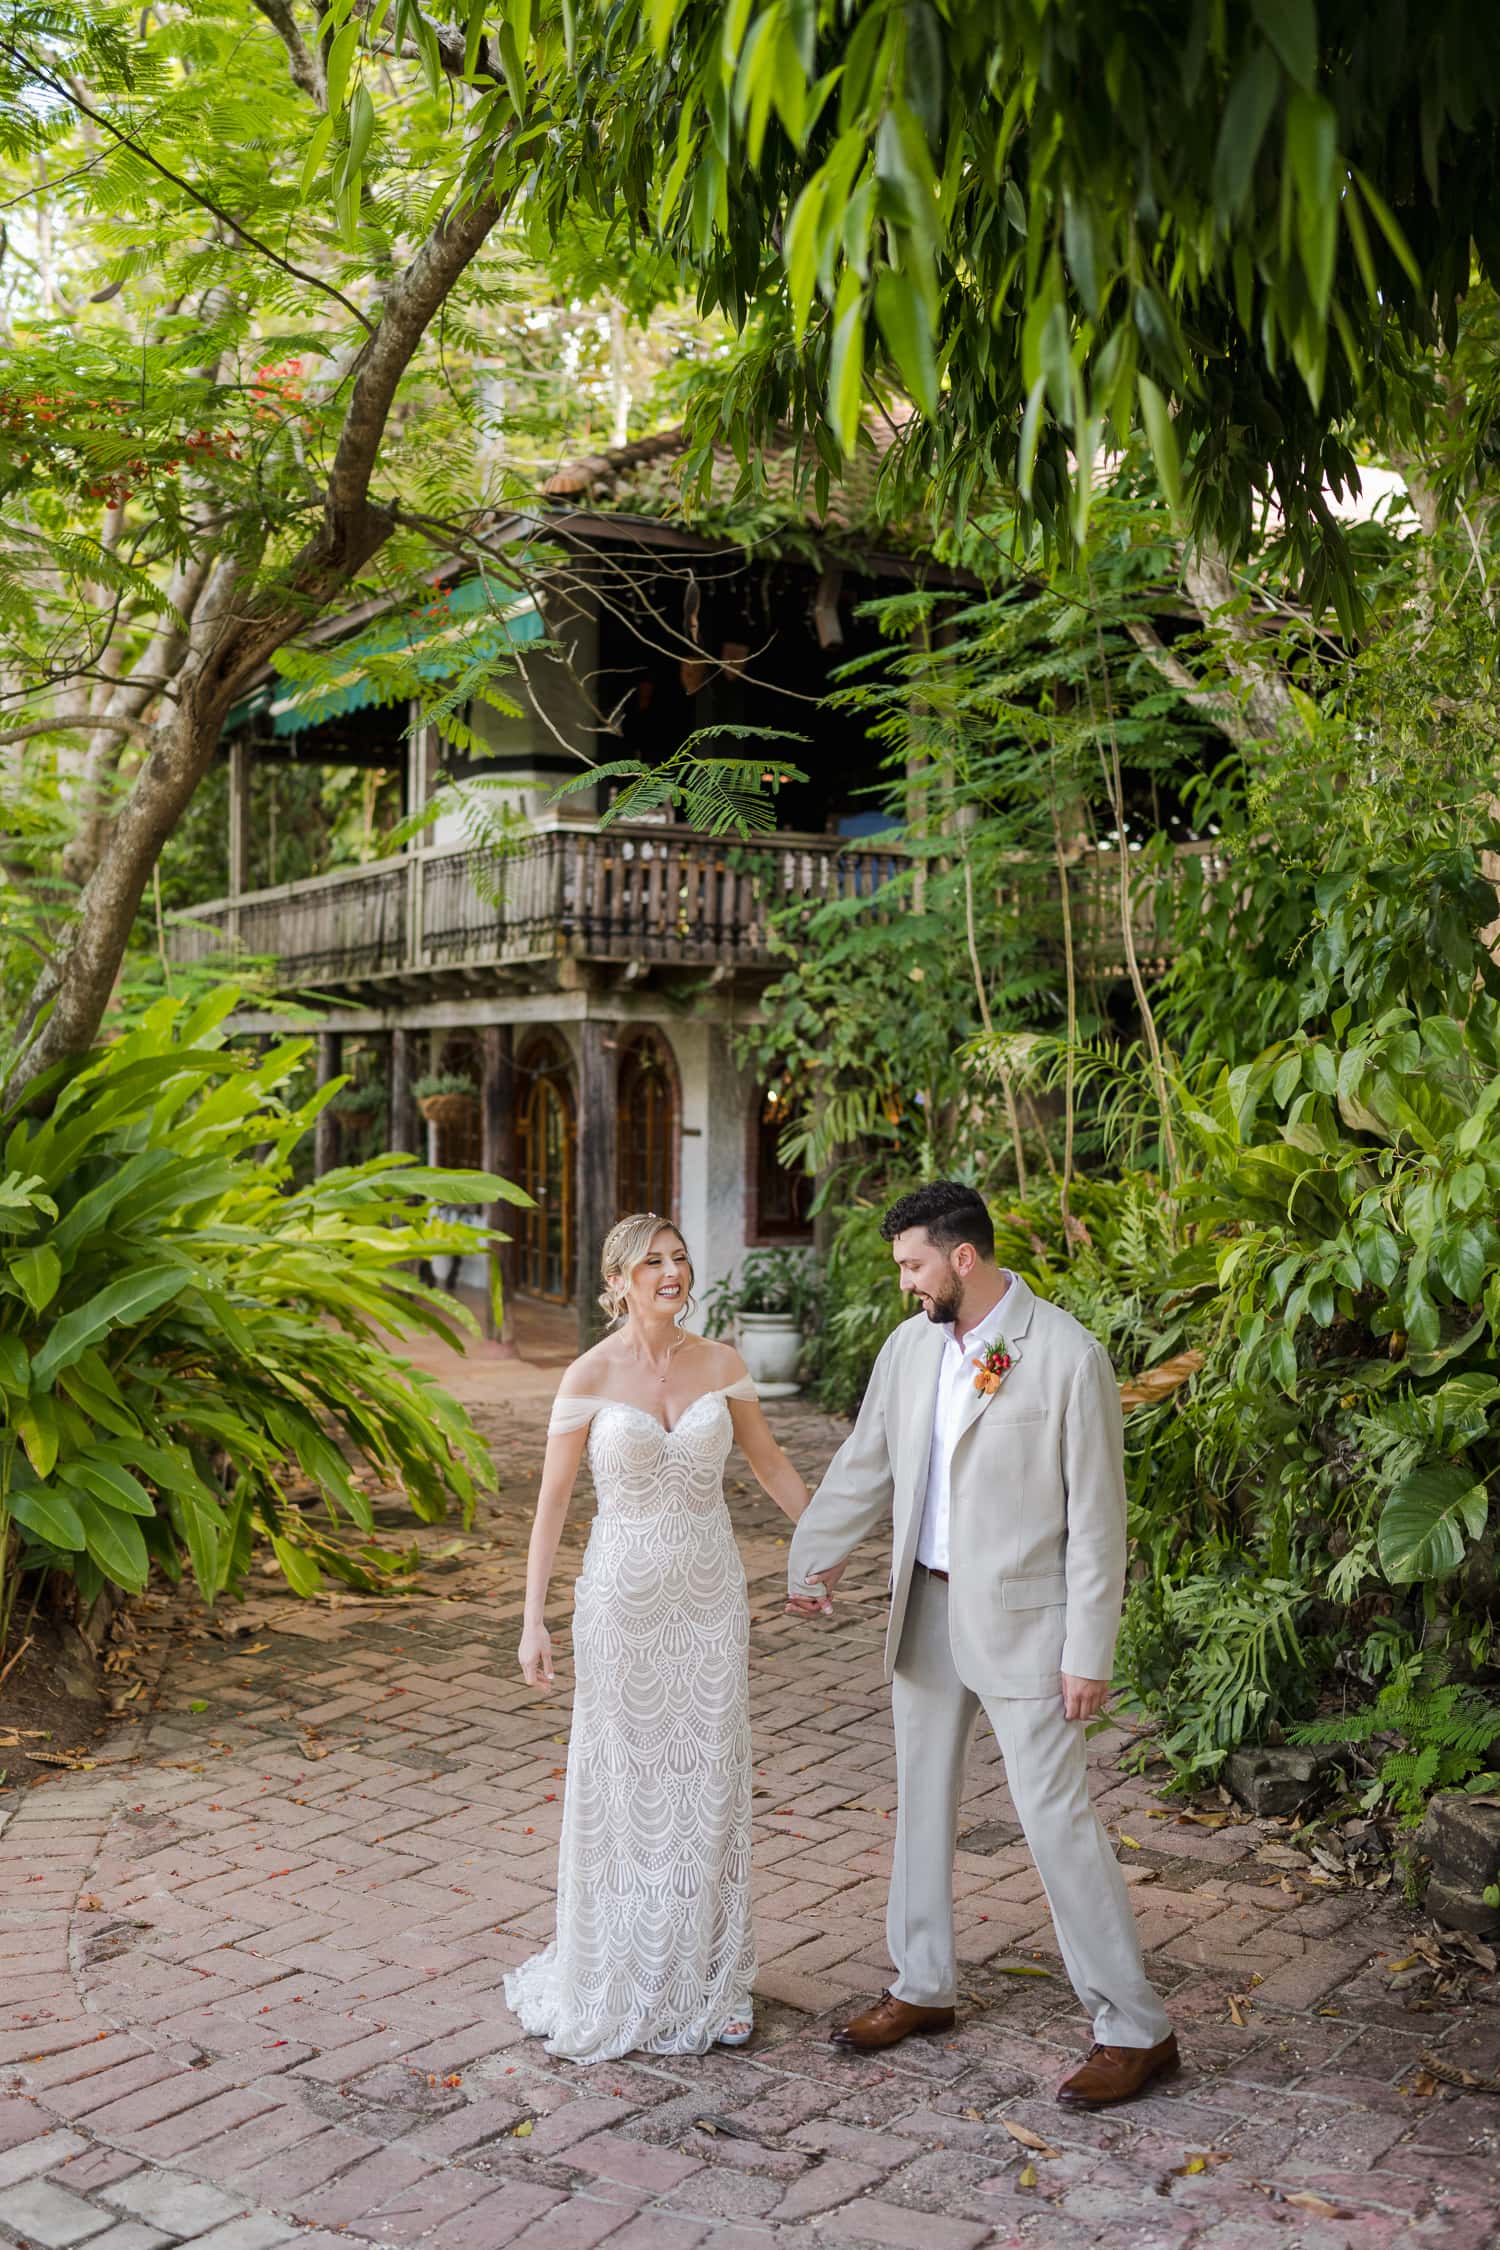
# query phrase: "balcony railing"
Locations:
[[622, 893], [638, 892]]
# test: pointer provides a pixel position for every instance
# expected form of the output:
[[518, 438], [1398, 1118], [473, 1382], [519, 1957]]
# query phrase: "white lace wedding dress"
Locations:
[[654, 1945]]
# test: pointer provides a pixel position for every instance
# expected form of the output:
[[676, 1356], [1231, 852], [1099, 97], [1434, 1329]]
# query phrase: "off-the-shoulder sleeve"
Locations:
[[569, 1414], [744, 1388]]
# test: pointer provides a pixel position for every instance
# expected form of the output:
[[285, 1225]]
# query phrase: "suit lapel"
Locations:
[[917, 1413], [1015, 1318]]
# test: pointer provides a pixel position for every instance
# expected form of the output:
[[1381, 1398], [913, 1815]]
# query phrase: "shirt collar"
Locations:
[[992, 1325]]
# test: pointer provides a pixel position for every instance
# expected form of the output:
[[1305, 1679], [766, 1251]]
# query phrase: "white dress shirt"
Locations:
[[955, 1381]]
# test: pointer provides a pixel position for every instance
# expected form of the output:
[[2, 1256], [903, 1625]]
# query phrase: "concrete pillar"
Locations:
[[498, 1154], [714, 1203], [326, 1131], [598, 1093], [406, 1131]]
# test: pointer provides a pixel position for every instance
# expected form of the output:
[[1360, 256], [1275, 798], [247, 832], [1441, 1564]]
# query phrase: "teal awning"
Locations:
[[465, 626]]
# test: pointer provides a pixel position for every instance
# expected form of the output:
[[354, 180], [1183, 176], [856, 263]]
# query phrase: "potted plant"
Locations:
[[445, 1097], [770, 1308]]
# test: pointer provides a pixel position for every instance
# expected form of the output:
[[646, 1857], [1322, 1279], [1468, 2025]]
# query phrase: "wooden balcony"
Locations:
[[627, 893], [631, 892]]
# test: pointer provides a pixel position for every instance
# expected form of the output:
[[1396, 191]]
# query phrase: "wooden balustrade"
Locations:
[[619, 893]]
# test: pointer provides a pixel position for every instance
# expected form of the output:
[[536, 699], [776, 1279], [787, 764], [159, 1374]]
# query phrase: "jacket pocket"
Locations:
[[1034, 1593]]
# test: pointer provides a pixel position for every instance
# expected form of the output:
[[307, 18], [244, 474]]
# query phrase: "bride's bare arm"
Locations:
[[769, 1466], [559, 1474]]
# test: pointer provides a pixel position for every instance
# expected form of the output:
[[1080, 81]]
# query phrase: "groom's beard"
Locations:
[[943, 1311]]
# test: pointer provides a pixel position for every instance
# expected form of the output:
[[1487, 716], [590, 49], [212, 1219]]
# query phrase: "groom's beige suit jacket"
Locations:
[[1036, 1535]]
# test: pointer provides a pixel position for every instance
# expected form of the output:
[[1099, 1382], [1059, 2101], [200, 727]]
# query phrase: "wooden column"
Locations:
[[240, 759], [405, 1131], [498, 1154], [598, 1092], [326, 1131]]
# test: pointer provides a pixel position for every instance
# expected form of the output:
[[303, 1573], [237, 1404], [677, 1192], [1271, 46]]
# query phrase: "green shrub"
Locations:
[[862, 1303], [184, 1340]]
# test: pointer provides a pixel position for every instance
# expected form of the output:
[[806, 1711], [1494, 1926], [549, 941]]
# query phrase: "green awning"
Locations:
[[465, 626]]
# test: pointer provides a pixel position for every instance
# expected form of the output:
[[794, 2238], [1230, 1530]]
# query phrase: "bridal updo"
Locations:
[[625, 1245]]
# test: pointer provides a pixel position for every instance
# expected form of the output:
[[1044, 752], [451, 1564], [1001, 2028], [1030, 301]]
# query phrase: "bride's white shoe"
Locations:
[[734, 2035]]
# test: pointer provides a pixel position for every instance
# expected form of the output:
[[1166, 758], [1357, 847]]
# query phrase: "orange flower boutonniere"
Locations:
[[992, 1366]]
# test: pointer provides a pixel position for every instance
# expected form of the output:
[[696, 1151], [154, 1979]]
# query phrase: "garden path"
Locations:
[[251, 1964]]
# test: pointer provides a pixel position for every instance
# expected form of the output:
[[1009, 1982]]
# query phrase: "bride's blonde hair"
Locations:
[[625, 1245]]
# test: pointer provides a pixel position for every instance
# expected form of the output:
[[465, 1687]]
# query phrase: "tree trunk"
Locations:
[[235, 628]]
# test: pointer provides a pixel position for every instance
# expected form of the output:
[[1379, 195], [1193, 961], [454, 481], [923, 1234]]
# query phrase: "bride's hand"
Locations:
[[816, 1605], [536, 1656]]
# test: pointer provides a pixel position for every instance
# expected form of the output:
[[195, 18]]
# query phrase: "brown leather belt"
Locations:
[[931, 1573]]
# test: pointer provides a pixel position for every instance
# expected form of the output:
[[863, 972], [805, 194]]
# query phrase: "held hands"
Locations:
[[1083, 1699], [815, 1605], [535, 1655]]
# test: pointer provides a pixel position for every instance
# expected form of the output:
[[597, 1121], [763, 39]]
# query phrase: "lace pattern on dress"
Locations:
[[654, 1945]]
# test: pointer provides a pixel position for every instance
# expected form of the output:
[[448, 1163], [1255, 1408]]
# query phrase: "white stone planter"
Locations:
[[771, 1345]]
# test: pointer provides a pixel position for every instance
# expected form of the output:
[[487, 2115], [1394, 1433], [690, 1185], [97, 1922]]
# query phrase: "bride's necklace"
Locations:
[[644, 1357]]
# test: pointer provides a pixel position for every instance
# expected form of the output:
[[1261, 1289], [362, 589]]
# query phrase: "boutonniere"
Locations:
[[992, 1366]]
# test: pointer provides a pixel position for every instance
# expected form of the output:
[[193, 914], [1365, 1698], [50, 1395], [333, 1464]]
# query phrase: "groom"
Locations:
[[991, 1434]]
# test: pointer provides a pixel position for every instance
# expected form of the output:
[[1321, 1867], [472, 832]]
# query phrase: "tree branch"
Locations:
[[81, 723], [1214, 703], [29, 64], [306, 62]]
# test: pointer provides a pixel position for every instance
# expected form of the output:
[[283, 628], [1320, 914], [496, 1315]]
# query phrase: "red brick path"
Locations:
[[251, 1976]]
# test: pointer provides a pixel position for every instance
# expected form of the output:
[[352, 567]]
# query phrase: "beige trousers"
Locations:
[[1047, 1776]]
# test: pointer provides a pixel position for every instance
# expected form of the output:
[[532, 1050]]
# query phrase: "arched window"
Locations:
[[782, 1207], [646, 1143], [546, 1134]]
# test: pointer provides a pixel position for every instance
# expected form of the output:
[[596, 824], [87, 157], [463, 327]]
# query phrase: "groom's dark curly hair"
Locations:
[[951, 1213]]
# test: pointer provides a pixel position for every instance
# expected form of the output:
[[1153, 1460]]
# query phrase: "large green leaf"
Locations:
[[115, 1542], [50, 1515], [121, 1304], [38, 1271], [1422, 1526], [112, 1484]]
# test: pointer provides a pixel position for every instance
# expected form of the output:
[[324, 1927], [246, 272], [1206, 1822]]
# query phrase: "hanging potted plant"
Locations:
[[445, 1097], [770, 1308]]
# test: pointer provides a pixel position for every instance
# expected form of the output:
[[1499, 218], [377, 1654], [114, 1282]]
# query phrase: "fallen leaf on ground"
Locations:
[[523, 2130], [1130, 1840], [1019, 1969], [1235, 2010], [1319, 2205], [1026, 2177], [89, 1904], [1027, 2138], [312, 1750], [1200, 2160]]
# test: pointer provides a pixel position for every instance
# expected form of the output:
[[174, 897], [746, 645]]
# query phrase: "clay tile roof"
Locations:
[[643, 479]]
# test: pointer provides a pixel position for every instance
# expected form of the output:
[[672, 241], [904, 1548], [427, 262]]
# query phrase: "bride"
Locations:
[[654, 1945]]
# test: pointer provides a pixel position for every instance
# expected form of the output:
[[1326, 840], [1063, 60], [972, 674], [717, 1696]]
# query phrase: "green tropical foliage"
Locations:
[[191, 1356], [1048, 222], [1273, 1149]]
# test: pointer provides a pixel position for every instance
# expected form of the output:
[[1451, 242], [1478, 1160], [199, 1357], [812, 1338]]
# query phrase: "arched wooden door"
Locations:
[[646, 1144], [546, 1136]]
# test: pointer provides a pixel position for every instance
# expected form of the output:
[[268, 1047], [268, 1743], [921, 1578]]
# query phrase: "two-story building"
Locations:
[[587, 972], [588, 975]]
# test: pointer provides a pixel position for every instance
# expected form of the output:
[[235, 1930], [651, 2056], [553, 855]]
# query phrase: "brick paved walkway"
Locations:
[[251, 1976]]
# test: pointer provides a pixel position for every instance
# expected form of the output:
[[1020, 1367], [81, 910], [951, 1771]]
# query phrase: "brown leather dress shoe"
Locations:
[[1118, 2074], [887, 2021]]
